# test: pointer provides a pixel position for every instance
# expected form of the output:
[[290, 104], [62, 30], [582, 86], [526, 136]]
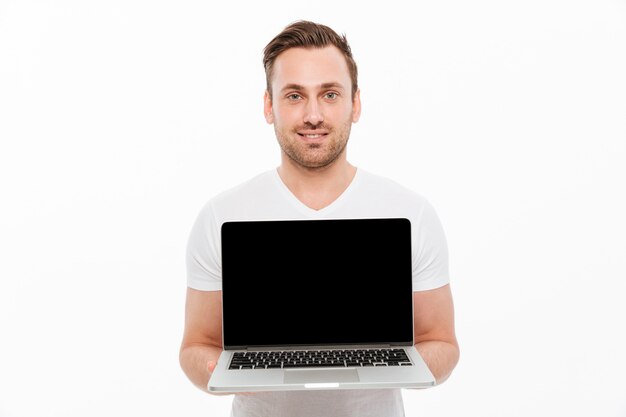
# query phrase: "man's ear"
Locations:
[[268, 112], [356, 106]]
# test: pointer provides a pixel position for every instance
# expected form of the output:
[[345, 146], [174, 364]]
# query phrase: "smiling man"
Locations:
[[312, 98], [312, 120]]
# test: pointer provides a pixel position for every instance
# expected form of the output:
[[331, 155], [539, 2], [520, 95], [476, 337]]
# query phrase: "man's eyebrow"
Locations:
[[323, 86], [296, 87], [334, 85]]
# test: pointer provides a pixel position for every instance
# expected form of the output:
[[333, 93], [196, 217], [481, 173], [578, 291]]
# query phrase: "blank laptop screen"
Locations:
[[317, 282]]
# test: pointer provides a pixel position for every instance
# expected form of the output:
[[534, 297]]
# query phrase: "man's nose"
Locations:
[[313, 113]]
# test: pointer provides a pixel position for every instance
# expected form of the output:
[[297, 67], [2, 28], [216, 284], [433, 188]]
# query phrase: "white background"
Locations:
[[119, 119]]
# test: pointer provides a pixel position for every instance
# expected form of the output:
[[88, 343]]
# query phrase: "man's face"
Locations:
[[312, 108]]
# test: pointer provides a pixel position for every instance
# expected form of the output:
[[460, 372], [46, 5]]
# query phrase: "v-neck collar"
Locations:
[[308, 211]]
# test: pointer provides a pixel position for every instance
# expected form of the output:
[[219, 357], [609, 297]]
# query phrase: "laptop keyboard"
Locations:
[[319, 359]]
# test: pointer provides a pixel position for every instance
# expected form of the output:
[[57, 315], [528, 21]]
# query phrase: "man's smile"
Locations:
[[312, 135]]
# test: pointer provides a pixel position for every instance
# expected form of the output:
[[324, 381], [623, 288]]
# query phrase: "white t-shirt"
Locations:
[[266, 197]]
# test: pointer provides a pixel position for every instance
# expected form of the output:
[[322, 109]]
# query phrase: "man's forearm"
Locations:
[[441, 357], [195, 360]]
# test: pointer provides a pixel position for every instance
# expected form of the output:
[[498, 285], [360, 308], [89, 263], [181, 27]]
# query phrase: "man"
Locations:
[[312, 99]]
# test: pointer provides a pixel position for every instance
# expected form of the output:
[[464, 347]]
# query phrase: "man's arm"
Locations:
[[202, 339], [435, 337]]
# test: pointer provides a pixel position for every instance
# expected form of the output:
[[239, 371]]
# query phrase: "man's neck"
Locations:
[[317, 187]]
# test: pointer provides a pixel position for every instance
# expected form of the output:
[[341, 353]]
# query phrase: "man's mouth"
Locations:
[[312, 134]]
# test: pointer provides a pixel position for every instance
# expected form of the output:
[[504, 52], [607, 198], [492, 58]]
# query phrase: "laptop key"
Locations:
[[291, 365], [332, 365]]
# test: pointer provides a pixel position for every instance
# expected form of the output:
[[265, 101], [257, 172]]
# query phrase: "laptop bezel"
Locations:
[[286, 347]]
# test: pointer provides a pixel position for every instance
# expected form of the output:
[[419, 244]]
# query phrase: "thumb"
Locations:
[[211, 365]]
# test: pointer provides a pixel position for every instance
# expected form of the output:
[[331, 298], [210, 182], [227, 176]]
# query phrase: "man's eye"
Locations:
[[293, 96], [331, 96]]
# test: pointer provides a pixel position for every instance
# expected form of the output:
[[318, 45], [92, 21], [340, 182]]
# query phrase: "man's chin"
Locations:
[[312, 155], [315, 163]]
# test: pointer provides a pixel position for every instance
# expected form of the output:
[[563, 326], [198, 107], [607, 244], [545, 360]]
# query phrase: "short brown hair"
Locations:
[[305, 34]]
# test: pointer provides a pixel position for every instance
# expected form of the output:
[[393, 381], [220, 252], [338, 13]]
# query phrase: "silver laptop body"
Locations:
[[317, 304]]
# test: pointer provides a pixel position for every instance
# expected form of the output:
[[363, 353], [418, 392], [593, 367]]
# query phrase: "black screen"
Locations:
[[317, 282]]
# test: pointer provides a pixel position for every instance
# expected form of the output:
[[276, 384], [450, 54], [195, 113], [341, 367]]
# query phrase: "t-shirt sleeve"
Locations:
[[430, 252], [204, 270]]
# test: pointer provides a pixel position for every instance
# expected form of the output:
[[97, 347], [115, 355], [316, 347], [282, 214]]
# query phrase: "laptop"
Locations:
[[317, 304]]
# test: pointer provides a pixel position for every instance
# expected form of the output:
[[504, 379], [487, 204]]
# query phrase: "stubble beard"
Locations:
[[314, 155]]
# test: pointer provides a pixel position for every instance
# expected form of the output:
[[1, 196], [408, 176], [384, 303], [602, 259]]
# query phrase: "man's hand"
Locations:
[[435, 337], [202, 340]]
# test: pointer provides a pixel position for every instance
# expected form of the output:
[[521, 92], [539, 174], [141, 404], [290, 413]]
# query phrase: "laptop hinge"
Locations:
[[317, 347]]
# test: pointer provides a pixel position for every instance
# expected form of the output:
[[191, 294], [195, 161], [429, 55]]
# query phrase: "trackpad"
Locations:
[[304, 376]]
